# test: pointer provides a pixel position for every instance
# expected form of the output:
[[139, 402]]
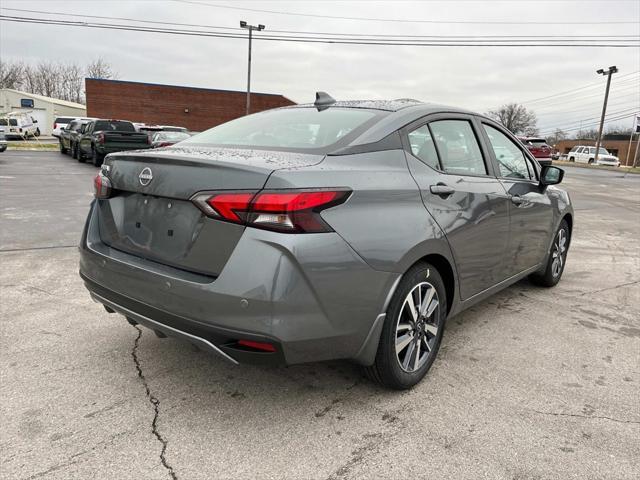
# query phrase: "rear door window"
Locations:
[[458, 147], [423, 147], [511, 161]]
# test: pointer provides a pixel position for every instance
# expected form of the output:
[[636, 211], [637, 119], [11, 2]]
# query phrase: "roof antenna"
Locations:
[[323, 101]]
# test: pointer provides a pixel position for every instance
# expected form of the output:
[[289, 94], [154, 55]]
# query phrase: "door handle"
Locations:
[[442, 189], [517, 200]]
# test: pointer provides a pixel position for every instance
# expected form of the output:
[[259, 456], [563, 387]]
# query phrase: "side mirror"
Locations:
[[551, 175]]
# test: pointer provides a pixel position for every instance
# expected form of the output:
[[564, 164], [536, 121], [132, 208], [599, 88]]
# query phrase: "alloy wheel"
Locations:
[[558, 253], [417, 327]]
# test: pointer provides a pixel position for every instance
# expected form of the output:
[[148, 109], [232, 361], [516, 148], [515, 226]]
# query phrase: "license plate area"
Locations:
[[154, 227]]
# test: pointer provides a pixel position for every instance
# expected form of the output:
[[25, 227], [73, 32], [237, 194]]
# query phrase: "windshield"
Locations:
[[297, 128]]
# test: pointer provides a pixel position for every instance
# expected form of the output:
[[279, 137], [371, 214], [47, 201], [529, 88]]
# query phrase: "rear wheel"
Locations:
[[550, 276], [590, 161], [412, 330], [98, 158], [80, 154]]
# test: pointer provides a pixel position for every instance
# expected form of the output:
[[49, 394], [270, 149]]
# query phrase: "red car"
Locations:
[[538, 148]]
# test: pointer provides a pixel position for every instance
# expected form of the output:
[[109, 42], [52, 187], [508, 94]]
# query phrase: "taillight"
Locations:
[[55, 125], [296, 211], [101, 186]]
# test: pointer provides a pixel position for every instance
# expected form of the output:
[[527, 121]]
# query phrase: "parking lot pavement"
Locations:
[[532, 383]]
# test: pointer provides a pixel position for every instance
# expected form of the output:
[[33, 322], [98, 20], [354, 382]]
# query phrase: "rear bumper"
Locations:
[[105, 149], [311, 296], [219, 341]]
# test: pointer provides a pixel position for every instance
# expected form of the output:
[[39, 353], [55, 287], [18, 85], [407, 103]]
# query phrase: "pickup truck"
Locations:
[[69, 135], [99, 137]]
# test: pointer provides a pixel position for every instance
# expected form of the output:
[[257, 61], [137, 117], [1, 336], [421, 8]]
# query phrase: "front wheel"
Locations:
[[572, 159], [62, 149], [550, 276], [412, 330]]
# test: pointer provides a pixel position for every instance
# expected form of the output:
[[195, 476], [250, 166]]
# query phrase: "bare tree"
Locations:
[[53, 79], [588, 134], [100, 69], [11, 74], [516, 118], [557, 135]]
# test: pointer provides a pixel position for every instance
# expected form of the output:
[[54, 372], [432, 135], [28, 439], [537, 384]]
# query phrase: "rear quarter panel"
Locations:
[[384, 220]]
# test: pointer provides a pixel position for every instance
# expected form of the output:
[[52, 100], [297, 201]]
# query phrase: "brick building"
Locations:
[[617, 145], [195, 108]]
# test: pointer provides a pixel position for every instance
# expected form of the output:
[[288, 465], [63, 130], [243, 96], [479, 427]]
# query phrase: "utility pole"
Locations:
[[251, 28], [608, 74]]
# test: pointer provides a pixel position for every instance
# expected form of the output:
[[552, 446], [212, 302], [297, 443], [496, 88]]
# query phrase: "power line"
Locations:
[[299, 32], [346, 41], [392, 20], [591, 124], [628, 111]]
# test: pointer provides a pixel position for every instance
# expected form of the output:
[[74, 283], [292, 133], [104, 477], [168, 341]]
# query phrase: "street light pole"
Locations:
[[608, 74], [251, 28]]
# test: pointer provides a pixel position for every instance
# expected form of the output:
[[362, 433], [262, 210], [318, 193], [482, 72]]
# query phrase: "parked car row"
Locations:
[[91, 139]]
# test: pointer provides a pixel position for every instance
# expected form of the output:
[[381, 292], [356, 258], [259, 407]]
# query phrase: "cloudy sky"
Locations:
[[477, 78]]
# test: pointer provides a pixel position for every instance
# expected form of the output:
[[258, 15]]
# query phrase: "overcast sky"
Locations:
[[477, 78]]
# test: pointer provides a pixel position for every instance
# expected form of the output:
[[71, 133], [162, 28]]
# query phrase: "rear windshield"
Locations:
[[170, 136], [538, 142], [289, 128], [64, 119], [11, 121], [106, 125]]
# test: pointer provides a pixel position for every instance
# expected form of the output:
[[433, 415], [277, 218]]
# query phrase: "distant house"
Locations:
[[41, 108]]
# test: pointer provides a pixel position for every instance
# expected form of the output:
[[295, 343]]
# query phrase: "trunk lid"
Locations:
[[151, 216]]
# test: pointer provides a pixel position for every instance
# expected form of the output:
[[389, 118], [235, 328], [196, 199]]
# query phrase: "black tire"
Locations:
[[551, 275], [62, 149], [590, 161], [98, 158], [387, 369], [37, 134], [572, 159], [81, 156]]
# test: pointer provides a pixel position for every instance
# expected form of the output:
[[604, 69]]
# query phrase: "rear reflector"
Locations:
[[293, 211], [265, 347]]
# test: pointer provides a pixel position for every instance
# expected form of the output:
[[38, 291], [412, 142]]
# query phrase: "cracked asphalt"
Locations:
[[532, 383]]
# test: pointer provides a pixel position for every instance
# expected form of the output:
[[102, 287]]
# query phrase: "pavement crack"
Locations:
[[610, 288], [156, 407], [558, 414]]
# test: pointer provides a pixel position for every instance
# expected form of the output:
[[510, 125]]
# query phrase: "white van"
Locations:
[[20, 125]]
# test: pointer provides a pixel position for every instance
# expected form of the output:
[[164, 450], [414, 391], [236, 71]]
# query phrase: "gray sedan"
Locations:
[[333, 230]]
